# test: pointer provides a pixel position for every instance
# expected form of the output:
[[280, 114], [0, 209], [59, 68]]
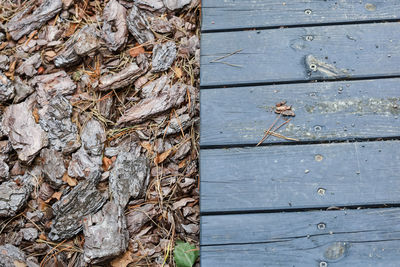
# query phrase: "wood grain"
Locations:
[[339, 238], [232, 14], [300, 176], [324, 111], [300, 54]]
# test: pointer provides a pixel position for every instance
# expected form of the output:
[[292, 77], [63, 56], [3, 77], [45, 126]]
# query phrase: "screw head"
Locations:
[[308, 11], [313, 67], [323, 264], [318, 157], [321, 191], [321, 226]]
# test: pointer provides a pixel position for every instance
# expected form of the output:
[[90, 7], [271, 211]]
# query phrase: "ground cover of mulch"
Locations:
[[99, 119]]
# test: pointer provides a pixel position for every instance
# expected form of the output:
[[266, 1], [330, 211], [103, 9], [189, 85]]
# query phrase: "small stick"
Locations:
[[269, 129], [274, 130], [282, 136], [228, 55]]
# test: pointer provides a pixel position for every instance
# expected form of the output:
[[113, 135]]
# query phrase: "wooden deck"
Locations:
[[332, 198]]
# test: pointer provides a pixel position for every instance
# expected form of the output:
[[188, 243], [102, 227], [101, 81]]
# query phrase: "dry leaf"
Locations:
[[147, 146], [56, 195], [69, 180], [42, 236], [135, 51], [178, 72], [71, 30], [106, 163], [163, 156], [123, 260], [40, 70], [35, 114]]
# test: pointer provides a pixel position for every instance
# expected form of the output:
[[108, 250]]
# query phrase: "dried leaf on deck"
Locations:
[[32, 18], [115, 29]]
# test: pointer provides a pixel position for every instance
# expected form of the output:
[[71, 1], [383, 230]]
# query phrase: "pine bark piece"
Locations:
[[49, 85], [7, 90], [128, 178], [115, 29], [151, 5], [163, 56], [29, 66], [13, 198], [24, 23], [4, 170], [121, 79], [22, 90], [105, 234], [80, 44], [176, 4], [139, 217], [93, 136], [55, 119], [52, 166], [86, 40], [139, 26], [83, 200], [27, 137], [82, 165], [12, 256], [169, 98]]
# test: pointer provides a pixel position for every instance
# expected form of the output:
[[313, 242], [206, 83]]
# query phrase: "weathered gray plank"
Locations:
[[324, 111], [339, 238], [232, 14], [300, 176], [303, 252], [328, 52], [322, 226]]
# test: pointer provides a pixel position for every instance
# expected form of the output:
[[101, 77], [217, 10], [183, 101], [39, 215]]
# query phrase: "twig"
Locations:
[[228, 55], [269, 129], [282, 136]]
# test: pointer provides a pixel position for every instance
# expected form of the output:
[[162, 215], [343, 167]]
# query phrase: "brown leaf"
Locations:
[[35, 114], [56, 195], [123, 260], [135, 51], [163, 156], [147, 146], [71, 30], [69, 180], [106, 163], [178, 72]]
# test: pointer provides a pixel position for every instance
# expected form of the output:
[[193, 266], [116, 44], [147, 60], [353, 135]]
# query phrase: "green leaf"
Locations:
[[185, 254]]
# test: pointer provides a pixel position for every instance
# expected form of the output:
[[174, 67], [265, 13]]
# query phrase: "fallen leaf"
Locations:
[[135, 51], [106, 163], [185, 254], [146, 145], [123, 260], [178, 72], [71, 30], [42, 236], [56, 195], [163, 156], [69, 180], [35, 113]]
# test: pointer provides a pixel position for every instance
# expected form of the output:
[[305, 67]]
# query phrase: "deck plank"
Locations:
[[300, 176], [333, 225], [339, 238], [300, 54], [232, 14], [324, 111]]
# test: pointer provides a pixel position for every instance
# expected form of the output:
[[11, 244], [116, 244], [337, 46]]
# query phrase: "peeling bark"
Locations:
[[139, 26], [170, 97], [114, 26], [27, 137], [24, 23], [105, 234], [83, 199], [129, 178], [163, 56], [124, 78]]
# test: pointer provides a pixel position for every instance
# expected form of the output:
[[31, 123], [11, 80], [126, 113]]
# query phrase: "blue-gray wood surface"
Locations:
[[337, 64], [233, 14], [282, 55], [324, 111], [300, 176], [339, 238]]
